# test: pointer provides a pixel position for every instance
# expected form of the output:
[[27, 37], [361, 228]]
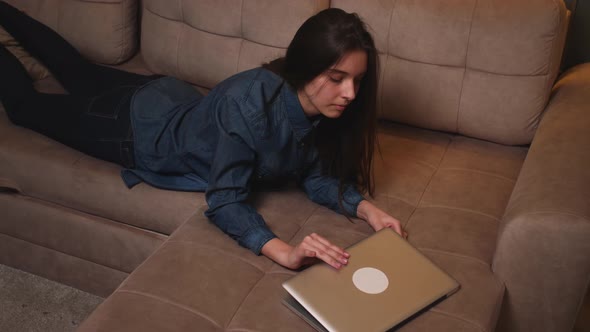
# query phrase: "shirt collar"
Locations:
[[301, 124]]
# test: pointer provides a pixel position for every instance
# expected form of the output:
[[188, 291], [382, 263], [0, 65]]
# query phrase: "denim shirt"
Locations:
[[249, 129]]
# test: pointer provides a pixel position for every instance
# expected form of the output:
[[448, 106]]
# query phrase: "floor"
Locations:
[[29, 303]]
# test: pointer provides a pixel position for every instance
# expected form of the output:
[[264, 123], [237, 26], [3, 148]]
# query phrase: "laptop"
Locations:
[[386, 282]]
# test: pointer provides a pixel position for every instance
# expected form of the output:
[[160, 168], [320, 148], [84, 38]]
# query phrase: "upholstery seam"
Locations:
[[401, 199], [551, 212], [498, 304], [435, 206], [209, 247], [170, 302], [288, 273], [479, 172], [181, 4], [58, 23], [241, 37], [72, 211], [429, 182], [98, 1], [457, 317], [465, 67], [242, 20], [456, 255], [186, 24], [548, 86], [244, 300], [239, 55], [417, 161], [177, 69], [385, 65], [125, 28], [65, 253], [470, 68]]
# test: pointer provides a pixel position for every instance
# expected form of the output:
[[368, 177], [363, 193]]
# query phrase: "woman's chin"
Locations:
[[332, 114]]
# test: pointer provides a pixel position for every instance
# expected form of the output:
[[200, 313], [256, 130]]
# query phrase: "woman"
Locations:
[[309, 116]]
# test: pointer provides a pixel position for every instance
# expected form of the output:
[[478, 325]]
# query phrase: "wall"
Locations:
[[578, 44]]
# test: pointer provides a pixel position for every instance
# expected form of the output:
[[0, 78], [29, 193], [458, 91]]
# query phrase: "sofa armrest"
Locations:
[[543, 248]]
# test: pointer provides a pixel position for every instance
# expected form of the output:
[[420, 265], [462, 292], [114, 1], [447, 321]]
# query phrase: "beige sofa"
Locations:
[[484, 158]]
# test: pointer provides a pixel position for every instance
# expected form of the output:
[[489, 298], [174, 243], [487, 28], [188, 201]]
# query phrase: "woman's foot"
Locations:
[[15, 82]]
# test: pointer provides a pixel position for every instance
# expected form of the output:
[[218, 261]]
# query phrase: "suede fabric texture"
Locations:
[[476, 68], [105, 31], [54, 265], [449, 191], [469, 68], [550, 207], [99, 240], [174, 32]]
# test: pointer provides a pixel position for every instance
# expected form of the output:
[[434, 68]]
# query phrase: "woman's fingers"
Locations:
[[397, 228], [329, 245], [324, 250]]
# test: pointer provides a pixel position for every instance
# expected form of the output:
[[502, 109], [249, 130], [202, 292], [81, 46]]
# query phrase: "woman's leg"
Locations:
[[76, 122], [97, 125], [77, 75]]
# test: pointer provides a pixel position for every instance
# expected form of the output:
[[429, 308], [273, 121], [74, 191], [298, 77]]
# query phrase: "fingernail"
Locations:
[[344, 261]]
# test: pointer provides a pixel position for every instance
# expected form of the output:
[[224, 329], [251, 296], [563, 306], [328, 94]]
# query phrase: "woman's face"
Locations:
[[333, 90]]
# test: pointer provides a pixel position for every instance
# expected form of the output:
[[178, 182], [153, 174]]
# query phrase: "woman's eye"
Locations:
[[335, 79]]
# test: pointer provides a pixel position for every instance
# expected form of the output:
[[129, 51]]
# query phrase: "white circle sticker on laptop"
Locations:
[[370, 280]]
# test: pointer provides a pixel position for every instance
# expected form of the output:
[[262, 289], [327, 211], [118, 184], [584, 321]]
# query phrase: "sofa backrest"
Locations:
[[205, 41], [105, 31], [480, 68]]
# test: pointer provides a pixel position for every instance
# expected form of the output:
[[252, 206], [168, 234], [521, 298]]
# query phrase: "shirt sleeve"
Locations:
[[323, 190], [233, 164]]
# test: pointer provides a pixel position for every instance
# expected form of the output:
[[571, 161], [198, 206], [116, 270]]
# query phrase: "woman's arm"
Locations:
[[227, 196], [324, 190]]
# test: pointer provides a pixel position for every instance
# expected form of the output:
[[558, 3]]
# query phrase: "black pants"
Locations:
[[93, 117]]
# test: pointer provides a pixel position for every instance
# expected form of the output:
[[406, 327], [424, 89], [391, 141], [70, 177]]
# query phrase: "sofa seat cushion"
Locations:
[[448, 191], [74, 248], [36, 166], [200, 280]]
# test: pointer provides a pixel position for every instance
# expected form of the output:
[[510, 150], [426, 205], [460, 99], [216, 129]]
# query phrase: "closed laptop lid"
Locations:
[[386, 281]]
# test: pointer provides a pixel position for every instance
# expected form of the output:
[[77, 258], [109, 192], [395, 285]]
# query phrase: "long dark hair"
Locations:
[[345, 144]]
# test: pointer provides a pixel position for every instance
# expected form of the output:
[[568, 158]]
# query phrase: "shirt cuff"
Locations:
[[351, 199], [255, 238]]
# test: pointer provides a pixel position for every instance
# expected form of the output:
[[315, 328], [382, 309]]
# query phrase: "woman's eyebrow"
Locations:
[[337, 71], [342, 72]]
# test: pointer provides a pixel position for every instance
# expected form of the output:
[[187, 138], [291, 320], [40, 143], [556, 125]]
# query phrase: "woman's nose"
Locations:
[[349, 90]]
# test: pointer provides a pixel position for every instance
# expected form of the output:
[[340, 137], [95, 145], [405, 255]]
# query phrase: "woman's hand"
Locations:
[[378, 219], [312, 248]]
